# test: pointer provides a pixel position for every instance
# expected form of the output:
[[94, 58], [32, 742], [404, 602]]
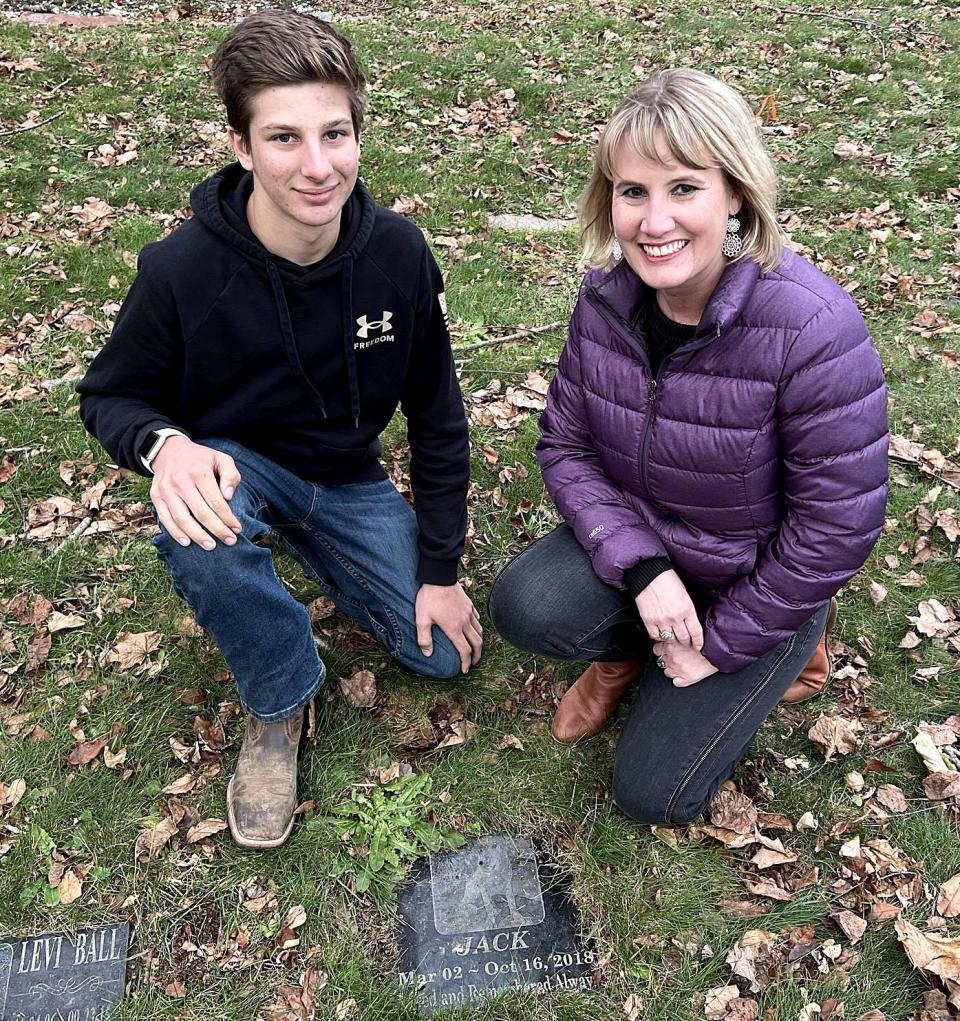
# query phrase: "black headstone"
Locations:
[[488, 917], [64, 977]]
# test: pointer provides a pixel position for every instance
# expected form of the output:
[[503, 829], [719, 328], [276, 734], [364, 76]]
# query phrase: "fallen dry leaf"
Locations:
[[86, 752], [850, 924], [891, 797], [460, 731], [11, 793], [935, 955], [732, 810], [151, 841], [935, 1008], [934, 619], [114, 760], [176, 990], [835, 735], [510, 741], [717, 999], [204, 829], [360, 690], [70, 887], [63, 622], [877, 593], [295, 917], [753, 946], [37, 652], [765, 888], [666, 835], [182, 785], [631, 1008], [942, 734], [131, 649], [928, 751], [948, 898], [775, 854], [947, 520], [942, 786]]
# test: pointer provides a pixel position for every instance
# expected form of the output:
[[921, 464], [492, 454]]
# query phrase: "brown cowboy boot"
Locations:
[[592, 698], [262, 795], [815, 675]]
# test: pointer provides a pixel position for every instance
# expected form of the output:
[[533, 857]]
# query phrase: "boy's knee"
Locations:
[[443, 663]]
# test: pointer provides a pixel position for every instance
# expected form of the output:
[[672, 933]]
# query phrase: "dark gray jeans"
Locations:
[[678, 745]]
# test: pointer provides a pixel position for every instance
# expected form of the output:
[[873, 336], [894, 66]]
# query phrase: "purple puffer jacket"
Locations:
[[756, 460]]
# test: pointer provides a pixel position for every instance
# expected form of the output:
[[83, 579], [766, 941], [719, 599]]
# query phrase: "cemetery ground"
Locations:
[[811, 887]]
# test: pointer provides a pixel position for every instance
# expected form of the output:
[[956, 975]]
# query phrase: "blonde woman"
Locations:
[[715, 439]]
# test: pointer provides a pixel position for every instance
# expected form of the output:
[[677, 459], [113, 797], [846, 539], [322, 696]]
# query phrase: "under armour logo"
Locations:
[[383, 325]]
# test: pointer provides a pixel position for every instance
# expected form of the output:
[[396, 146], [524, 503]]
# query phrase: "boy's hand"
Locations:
[[450, 608], [191, 486]]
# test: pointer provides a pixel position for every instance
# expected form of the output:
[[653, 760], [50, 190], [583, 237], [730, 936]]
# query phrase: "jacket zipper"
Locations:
[[653, 389], [653, 386], [648, 428]]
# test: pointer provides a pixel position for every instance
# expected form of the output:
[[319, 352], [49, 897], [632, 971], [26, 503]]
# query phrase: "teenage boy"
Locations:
[[261, 351]]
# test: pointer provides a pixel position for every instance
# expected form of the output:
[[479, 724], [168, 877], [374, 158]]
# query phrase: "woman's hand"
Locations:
[[665, 605], [683, 664]]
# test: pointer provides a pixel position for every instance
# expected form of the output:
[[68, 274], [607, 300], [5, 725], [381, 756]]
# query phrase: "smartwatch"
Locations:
[[152, 443]]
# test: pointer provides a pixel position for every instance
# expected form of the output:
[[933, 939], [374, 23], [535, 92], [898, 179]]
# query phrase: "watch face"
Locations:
[[150, 441]]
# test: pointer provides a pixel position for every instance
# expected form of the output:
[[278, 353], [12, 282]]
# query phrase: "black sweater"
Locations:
[[305, 365]]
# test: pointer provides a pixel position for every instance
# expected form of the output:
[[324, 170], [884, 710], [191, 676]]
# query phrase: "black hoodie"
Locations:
[[303, 364]]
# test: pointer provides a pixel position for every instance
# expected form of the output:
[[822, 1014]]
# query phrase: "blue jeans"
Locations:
[[358, 542], [678, 745]]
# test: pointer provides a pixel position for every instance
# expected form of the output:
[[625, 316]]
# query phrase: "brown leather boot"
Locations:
[[592, 698], [262, 795], [815, 675]]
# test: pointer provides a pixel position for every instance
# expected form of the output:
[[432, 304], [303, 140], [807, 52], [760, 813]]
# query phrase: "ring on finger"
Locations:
[[661, 662], [666, 634]]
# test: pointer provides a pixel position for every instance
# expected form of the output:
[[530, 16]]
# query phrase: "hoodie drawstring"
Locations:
[[286, 328], [346, 309]]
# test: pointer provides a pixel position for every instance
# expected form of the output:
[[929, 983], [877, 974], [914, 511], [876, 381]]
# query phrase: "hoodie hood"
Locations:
[[219, 203]]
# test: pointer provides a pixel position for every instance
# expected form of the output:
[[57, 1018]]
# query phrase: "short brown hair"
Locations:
[[705, 123], [280, 47]]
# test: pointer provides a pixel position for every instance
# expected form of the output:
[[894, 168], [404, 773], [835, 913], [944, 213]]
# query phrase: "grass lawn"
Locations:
[[477, 109]]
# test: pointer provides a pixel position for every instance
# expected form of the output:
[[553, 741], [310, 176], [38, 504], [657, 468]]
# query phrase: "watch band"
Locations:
[[160, 437]]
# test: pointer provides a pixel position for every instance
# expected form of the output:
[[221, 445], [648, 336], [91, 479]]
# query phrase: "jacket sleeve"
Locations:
[[591, 502], [437, 430], [131, 387], [832, 427]]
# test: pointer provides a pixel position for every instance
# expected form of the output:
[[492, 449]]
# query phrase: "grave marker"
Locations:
[[64, 977], [487, 917]]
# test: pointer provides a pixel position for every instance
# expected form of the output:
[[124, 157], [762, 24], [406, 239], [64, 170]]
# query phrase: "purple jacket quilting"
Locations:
[[756, 460]]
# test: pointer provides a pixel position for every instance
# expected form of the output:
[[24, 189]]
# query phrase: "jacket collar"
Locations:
[[623, 293]]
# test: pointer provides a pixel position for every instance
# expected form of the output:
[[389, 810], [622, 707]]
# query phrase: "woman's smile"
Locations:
[[663, 250], [670, 220]]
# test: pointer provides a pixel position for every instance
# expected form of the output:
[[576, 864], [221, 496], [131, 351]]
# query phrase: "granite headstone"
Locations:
[[489, 916], [64, 977]]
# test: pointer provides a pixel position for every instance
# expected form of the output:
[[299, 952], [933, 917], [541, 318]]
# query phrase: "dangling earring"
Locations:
[[616, 250], [732, 242]]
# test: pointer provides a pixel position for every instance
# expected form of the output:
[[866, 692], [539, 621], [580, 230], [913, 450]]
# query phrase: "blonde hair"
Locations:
[[704, 124]]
